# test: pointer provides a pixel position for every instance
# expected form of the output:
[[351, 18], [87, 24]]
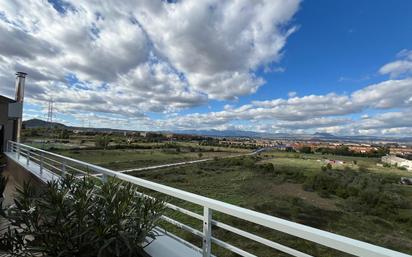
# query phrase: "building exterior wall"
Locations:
[[9, 132], [8, 124], [4, 110], [400, 162]]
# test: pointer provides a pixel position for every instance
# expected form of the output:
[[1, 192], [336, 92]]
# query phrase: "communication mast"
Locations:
[[50, 112]]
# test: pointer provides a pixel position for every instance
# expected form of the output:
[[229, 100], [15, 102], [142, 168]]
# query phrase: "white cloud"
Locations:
[[218, 44], [386, 94], [328, 112], [388, 120], [128, 59], [403, 66], [292, 94], [132, 57]]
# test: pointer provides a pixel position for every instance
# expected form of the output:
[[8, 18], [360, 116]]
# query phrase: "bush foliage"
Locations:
[[365, 192], [75, 217]]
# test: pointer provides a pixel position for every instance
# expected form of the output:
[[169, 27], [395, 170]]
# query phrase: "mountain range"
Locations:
[[37, 123]]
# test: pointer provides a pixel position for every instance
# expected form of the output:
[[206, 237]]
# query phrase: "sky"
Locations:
[[277, 66]]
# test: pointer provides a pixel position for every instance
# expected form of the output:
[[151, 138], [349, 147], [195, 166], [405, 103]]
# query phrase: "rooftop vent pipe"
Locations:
[[20, 83]]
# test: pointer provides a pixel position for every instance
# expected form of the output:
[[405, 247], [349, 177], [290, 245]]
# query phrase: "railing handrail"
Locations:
[[342, 243]]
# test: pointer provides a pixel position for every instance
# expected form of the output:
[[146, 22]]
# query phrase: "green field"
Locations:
[[282, 193], [356, 198], [315, 161], [120, 159]]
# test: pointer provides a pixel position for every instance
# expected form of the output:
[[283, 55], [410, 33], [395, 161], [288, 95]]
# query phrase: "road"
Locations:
[[186, 162]]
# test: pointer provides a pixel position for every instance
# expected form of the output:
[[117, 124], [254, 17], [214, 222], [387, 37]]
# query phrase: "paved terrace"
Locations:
[[47, 166]]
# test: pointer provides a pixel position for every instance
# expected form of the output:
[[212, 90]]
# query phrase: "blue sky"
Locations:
[[342, 67], [340, 46]]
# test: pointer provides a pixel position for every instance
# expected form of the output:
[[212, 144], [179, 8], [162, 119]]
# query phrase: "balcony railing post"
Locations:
[[28, 157], [207, 232], [18, 151], [41, 163], [63, 168]]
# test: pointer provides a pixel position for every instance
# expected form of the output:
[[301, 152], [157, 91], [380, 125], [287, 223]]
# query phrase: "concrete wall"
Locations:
[[17, 177], [10, 131]]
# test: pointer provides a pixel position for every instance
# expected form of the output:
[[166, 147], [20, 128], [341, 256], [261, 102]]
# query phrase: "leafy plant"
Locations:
[[3, 184], [73, 217]]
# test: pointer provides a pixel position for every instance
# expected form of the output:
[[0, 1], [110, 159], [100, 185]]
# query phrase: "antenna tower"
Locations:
[[50, 112]]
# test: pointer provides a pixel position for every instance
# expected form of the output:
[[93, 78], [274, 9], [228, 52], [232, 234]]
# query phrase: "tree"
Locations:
[[64, 134], [305, 149], [102, 141]]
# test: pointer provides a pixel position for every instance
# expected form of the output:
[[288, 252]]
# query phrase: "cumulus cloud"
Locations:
[[218, 44], [330, 112], [402, 66], [384, 95], [388, 120], [132, 57], [117, 62]]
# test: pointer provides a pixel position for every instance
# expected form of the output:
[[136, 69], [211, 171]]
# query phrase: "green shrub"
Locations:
[[266, 168], [298, 210], [364, 192], [290, 174], [80, 218], [362, 168], [102, 141]]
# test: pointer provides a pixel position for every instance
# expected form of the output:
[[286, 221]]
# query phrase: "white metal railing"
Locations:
[[61, 165]]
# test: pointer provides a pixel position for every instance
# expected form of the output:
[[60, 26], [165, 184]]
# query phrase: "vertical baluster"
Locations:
[[104, 178], [41, 163], [18, 152], [28, 157], [207, 232], [63, 168]]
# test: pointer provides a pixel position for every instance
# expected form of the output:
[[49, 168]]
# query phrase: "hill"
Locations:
[[37, 123]]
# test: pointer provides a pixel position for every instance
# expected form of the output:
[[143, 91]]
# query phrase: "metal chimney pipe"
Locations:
[[20, 83]]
